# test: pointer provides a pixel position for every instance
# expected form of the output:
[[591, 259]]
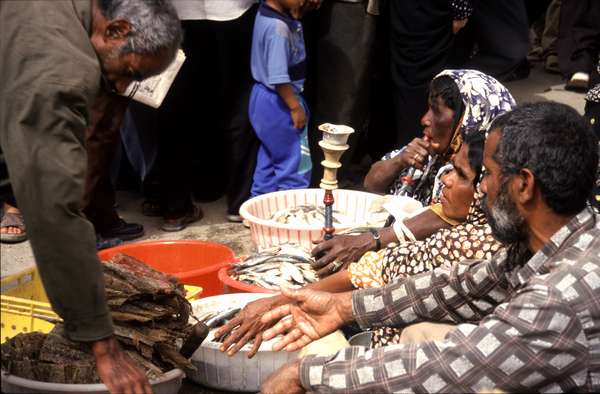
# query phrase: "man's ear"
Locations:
[[118, 29], [524, 184]]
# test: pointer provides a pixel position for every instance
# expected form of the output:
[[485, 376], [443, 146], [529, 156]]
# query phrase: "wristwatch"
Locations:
[[377, 238]]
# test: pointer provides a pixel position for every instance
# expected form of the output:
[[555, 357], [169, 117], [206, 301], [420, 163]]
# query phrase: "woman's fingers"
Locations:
[[239, 344], [256, 345], [229, 326], [233, 338]]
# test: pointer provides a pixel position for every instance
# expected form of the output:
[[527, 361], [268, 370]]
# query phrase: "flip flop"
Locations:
[[172, 225], [11, 219]]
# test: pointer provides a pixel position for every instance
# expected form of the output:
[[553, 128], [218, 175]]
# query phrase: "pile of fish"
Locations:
[[150, 315], [308, 215], [283, 265]]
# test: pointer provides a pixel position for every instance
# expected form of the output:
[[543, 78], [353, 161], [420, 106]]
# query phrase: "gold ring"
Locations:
[[336, 264]]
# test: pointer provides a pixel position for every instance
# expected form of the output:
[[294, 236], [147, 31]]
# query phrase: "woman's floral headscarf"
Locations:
[[484, 98]]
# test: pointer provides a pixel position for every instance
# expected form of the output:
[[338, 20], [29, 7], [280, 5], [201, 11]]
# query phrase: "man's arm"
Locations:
[[464, 293], [533, 343], [47, 163]]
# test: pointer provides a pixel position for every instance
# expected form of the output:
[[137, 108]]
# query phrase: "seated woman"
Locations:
[[460, 201], [461, 103]]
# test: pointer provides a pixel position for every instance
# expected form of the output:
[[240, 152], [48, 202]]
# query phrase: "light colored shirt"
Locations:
[[531, 328], [214, 10]]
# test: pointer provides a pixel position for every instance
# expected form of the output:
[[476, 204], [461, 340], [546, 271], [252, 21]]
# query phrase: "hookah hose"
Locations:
[[407, 179]]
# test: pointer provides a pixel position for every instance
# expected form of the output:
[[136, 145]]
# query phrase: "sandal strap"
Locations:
[[11, 219]]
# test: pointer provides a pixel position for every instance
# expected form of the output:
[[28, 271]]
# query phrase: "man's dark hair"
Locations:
[[475, 141], [445, 88], [557, 145]]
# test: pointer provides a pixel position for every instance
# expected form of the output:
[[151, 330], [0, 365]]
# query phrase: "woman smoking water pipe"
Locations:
[[460, 202], [461, 102]]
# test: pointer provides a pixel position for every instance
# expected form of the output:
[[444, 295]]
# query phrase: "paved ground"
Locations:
[[214, 226]]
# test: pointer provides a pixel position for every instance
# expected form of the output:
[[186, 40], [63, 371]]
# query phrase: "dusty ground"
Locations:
[[214, 227]]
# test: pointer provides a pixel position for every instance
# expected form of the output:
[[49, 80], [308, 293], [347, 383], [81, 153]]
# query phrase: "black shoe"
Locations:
[[124, 231]]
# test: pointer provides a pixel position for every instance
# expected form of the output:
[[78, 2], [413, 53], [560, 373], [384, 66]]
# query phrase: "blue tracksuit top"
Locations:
[[278, 54]]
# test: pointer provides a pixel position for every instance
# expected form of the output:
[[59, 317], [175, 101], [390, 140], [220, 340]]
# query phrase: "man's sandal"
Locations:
[[12, 219]]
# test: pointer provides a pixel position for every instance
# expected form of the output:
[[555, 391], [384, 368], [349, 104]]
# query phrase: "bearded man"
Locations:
[[526, 320], [54, 55]]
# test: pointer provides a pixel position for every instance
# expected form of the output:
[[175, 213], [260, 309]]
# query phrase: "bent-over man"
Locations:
[[53, 57]]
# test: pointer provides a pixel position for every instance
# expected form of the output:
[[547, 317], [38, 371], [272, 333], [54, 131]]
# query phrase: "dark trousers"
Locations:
[[206, 145], [340, 42], [498, 35], [6, 193], [420, 41], [102, 141], [578, 36], [234, 41]]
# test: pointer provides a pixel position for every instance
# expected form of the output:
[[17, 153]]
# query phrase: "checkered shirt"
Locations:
[[535, 328]]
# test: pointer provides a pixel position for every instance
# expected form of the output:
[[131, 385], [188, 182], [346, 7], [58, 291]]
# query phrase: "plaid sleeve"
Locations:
[[534, 343], [465, 292], [461, 9]]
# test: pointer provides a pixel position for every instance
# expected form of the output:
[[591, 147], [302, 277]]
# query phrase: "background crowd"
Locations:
[[368, 65]]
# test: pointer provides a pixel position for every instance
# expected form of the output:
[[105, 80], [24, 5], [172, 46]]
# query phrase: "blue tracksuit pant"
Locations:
[[283, 160]]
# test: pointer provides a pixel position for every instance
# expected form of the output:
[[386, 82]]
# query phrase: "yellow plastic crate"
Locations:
[[24, 304]]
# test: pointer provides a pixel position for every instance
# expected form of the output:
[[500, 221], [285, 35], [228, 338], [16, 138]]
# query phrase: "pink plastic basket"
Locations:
[[265, 233]]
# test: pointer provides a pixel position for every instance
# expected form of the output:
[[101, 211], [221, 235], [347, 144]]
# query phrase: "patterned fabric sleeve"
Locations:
[[461, 9], [497, 353], [366, 272]]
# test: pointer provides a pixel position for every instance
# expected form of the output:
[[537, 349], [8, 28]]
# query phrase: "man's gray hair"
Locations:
[[154, 24]]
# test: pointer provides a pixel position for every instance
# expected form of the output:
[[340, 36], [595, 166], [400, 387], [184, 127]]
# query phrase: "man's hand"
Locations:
[[117, 370], [457, 25], [311, 316], [248, 325], [341, 248], [298, 117], [285, 380]]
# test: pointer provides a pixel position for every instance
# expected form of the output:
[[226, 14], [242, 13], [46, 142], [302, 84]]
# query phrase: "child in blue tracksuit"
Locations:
[[278, 113]]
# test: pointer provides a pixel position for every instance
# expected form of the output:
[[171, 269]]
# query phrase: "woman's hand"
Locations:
[[246, 325], [415, 153], [339, 251]]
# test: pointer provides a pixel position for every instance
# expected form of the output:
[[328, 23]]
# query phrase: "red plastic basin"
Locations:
[[194, 263], [237, 286]]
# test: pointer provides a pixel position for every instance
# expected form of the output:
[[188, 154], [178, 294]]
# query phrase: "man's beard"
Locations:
[[508, 226]]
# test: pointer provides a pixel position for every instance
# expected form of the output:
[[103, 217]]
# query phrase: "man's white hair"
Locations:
[[154, 24]]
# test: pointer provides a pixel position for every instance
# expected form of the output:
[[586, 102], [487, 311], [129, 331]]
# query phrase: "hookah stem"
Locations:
[[328, 201], [408, 178]]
